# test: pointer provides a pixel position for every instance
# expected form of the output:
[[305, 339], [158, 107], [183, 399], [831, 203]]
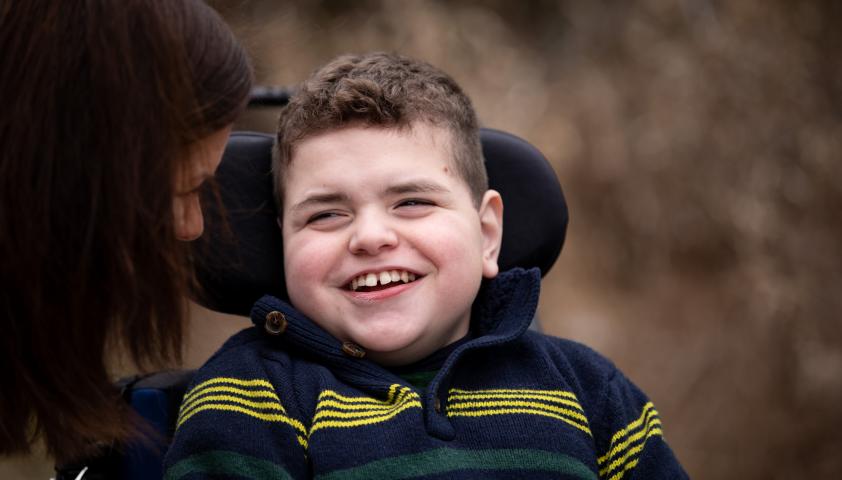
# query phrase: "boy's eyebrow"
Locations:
[[417, 186], [319, 199]]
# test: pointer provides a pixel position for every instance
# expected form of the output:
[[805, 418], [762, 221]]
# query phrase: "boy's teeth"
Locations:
[[382, 278]]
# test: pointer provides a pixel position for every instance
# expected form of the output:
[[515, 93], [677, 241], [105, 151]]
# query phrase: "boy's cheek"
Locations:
[[306, 257]]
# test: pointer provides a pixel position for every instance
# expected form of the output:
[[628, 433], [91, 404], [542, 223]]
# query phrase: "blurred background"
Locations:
[[698, 143]]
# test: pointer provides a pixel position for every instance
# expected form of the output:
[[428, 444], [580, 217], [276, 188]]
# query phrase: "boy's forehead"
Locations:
[[421, 132], [354, 142]]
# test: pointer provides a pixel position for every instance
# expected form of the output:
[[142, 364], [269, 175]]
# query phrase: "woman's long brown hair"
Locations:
[[101, 100]]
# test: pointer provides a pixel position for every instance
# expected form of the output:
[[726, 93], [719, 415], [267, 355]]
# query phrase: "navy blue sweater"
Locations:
[[286, 400]]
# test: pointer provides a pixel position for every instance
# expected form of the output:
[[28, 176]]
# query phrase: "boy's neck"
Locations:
[[419, 374]]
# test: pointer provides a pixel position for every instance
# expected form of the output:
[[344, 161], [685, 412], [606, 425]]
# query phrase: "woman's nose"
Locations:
[[189, 223], [372, 233]]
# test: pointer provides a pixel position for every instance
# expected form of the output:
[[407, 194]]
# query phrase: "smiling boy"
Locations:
[[403, 354], [388, 255]]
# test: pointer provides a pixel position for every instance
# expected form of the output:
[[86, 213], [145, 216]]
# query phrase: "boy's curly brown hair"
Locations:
[[381, 90]]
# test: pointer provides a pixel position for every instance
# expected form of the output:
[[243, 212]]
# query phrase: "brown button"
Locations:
[[437, 405], [353, 350], [276, 323]]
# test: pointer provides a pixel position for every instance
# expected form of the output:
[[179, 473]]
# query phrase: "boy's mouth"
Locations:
[[374, 281]]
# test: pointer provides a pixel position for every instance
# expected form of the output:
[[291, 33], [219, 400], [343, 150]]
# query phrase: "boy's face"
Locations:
[[373, 205]]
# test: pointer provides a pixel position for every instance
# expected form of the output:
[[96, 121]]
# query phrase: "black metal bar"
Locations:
[[269, 96]]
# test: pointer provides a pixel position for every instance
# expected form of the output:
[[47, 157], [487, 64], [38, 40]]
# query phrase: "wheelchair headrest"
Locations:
[[240, 258]]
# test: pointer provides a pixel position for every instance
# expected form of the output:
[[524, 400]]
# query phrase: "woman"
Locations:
[[113, 112]]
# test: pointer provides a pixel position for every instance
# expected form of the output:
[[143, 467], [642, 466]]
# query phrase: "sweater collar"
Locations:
[[501, 313]]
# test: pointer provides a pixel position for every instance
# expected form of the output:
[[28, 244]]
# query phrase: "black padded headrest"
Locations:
[[239, 259]]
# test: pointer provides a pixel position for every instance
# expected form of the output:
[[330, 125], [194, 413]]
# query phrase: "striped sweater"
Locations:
[[286, 400]]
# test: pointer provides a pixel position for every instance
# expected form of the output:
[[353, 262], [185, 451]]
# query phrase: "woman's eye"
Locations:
[[191, 191]]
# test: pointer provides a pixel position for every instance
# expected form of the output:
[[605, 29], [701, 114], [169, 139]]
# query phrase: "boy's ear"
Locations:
[[491, 223]]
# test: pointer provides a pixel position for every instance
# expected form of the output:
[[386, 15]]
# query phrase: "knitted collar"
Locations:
[[501, 313]]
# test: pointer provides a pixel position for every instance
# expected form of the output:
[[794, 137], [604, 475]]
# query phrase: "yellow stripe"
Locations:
[[235, 381], [392, 389], [511, 411], [542, 406], [362, 414], [644, 415], [391, 399], [616, 449], [245, 393], [343, 398], [629, 466], [325, 404], [560, 393], [228, 398], [478, 396], [366, 421], [346, 411], [632, 452], [267, 417], [196, 399], [403, 394], [645, 426]]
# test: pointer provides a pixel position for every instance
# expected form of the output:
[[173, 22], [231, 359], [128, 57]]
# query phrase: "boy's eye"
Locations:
[[323, 217], [414, 202]]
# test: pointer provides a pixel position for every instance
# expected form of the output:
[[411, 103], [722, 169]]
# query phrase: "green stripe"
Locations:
[[221, 462], [444, 460]]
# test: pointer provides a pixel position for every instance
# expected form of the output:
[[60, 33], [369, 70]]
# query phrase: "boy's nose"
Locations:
[[372, 234]]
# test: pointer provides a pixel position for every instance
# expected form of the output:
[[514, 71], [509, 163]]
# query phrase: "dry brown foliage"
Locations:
[[698, 144]]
